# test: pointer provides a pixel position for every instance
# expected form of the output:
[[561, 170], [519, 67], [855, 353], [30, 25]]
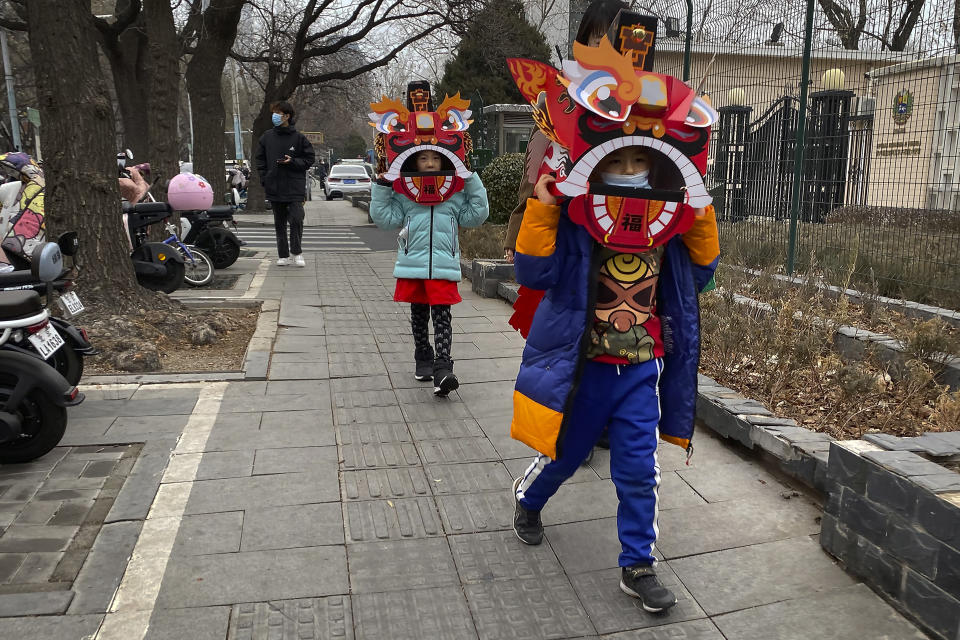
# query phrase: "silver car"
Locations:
[[345, 179]]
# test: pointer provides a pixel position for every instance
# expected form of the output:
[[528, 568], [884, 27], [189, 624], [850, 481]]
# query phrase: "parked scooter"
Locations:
[[208, 230], [33, 396], [158, 266], [67, 359]]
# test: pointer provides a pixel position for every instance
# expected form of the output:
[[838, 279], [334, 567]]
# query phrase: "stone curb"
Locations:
[[907, 307], [855, 343]]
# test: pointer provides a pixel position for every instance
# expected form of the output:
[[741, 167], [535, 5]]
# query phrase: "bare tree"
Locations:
[[849, 28], [163, 89], [81, 191], [956, 25], [210, 34], [303, 47]]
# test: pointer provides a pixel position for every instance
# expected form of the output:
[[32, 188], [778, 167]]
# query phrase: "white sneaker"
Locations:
[[299, 261], [283, 262]]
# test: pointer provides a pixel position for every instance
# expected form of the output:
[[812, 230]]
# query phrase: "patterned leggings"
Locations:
[[442, 330]]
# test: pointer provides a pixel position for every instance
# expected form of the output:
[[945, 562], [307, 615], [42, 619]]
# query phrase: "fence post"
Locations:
[[689, 42], [801, 139], [730, 167]]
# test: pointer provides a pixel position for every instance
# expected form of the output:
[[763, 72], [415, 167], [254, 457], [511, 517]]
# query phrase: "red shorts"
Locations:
[[432, 292]]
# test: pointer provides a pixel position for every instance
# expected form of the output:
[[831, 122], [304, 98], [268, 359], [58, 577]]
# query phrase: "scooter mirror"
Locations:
[[46, 262], [69, 243]]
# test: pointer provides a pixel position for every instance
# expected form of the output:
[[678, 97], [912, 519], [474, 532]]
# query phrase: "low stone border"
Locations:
[[907, 307], [855, 343], [255, 362], [892, 517], [362, 203], [893, 520]]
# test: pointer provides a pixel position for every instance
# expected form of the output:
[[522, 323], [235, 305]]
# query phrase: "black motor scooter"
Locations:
[[158, 266], [33, 396], [209, 232], [67, 357]]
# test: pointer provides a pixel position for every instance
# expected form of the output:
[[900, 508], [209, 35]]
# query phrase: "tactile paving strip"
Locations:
[[293, 619]]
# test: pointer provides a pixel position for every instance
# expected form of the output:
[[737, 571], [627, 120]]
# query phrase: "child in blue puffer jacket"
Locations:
[[428, 262], [614, 344]]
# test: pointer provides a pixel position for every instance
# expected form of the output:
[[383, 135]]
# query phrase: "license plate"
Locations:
[[349, 182], [46, 341], [70, 303]]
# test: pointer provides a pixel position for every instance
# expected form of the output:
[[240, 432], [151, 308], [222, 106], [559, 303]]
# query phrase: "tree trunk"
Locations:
[[163, 85], [127, 57], [78, 122], [956, 25], [204, 73]]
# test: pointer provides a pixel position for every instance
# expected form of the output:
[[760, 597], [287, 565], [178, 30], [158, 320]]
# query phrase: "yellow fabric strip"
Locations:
[[538, 233], [680, 442], [702, 239], [535, 425]]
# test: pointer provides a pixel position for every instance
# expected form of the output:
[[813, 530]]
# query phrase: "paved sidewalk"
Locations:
[[340, 499]]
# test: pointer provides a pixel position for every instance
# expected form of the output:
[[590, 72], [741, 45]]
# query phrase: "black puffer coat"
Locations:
[[284, 182]]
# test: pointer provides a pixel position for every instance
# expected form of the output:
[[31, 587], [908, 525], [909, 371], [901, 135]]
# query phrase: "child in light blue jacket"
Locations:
[[428, 262]]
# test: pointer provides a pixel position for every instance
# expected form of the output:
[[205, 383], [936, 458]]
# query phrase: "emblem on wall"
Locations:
[[902, 107]]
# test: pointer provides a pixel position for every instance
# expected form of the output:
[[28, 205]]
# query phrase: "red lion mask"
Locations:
[[405, 130], [605, 99]]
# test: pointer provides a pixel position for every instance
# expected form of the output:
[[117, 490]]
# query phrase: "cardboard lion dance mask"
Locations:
[[607, 98], [406, 129]]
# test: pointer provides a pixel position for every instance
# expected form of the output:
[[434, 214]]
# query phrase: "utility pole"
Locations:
[[237, 134], [11, 94]]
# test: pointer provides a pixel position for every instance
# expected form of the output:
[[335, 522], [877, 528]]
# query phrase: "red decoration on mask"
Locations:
[[406, 130], [605, 100]]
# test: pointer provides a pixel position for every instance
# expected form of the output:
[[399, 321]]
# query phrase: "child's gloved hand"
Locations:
[[542, 192]]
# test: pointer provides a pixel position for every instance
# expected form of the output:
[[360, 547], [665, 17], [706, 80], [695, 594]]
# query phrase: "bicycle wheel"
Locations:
[[198, 270]]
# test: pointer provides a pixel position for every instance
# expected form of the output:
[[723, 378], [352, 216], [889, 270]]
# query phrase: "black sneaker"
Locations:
[[640, 581], [424, 371], [444, 380], [604, 441], [526, 523]]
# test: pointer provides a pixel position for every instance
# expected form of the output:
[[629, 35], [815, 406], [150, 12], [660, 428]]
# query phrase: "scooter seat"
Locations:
[[147, 207], [23, 277], [220, 212], [19, 304]]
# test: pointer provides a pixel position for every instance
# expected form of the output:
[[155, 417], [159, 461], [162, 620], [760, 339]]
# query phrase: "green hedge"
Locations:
[[502, 179]]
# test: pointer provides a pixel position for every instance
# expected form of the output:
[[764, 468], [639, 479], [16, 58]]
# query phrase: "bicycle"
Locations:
[[198, 266]]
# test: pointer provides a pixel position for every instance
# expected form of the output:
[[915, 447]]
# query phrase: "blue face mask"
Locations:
[[277, 119], [636, 181]]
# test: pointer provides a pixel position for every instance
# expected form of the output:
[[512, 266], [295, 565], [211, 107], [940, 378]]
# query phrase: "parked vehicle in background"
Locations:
[[360, 163], [344, 179]]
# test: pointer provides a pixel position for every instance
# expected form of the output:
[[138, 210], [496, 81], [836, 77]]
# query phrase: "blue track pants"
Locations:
[[626, 399]]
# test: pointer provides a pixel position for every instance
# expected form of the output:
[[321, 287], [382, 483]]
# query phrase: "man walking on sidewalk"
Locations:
[[283, 157]]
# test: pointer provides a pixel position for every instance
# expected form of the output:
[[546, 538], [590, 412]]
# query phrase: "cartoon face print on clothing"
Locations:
[[627, 288], [626, 328]]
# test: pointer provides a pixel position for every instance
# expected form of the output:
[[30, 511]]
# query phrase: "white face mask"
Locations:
[[636, 181]]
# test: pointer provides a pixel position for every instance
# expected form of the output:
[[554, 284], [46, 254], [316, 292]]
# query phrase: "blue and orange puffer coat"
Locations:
[[559, 256]]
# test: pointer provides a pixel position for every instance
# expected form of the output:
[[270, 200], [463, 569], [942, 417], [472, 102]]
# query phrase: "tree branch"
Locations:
[[122, 20]]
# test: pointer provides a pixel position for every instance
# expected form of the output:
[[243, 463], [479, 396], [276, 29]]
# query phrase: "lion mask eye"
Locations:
[[387, 122], [597, 91]]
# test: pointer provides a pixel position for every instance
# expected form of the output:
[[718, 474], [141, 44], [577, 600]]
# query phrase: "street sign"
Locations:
[[33, 115], [315, 137]]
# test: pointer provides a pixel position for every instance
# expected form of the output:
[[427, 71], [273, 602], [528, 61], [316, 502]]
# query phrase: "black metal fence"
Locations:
[[828, 158]]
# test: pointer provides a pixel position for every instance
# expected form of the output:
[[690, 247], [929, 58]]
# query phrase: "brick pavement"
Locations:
[[340, 499]]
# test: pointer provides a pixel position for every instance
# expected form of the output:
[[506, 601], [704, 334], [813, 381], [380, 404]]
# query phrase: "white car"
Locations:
[[344, 179]]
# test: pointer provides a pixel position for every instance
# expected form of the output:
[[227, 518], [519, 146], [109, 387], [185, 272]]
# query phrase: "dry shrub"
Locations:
[[485, 241], [785, 356]]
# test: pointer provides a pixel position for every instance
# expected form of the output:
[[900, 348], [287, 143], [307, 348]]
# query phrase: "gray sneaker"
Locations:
[[526, 523], [640, 581]]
